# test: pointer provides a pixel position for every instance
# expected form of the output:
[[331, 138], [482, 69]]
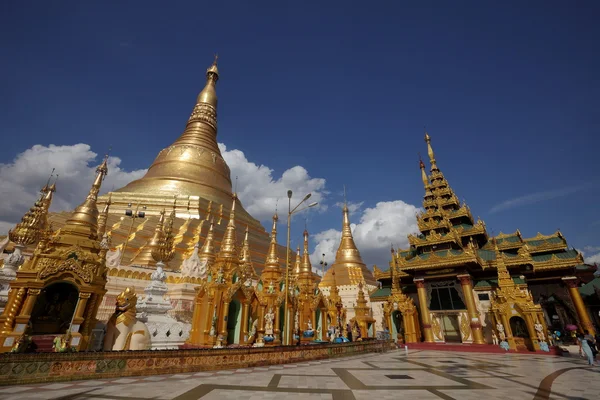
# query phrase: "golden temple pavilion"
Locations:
[[450, 276]]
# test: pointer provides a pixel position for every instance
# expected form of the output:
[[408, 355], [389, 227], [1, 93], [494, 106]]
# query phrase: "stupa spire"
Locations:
[[207, 252], [229, 243], [306, 266], [298, 264], [272, 257], [84, 220], [347, 251], [430, 153], [193, 163]]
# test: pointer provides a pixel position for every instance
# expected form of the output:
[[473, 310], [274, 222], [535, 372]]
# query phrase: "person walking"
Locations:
[[584, 348]]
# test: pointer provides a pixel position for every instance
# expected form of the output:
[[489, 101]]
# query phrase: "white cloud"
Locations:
[[259, 190], [21, 180], [594, 258], [537, 197], [352, 207], [389, 222]]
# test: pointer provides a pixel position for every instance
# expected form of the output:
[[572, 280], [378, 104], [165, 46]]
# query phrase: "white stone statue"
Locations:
[[501, 333], [271, 288], [539, 329], [309, 325], [123, 330], [269, 317]]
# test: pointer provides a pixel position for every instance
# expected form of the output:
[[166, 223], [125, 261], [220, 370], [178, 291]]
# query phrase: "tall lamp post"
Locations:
[[291, 211]]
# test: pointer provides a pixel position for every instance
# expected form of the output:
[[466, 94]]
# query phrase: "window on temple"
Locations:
[[446, 298]]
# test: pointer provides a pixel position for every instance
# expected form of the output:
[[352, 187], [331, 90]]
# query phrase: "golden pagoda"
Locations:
[[191, 176], [271, 294], [450, 270], [59, 289]]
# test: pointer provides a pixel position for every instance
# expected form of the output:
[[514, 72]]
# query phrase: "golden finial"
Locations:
[[306, 265], [208, 248], [228, 245], [423, 173], [154, 243], [102, 219], [298, 265], [430, 152], [272, 256], [213, 70]]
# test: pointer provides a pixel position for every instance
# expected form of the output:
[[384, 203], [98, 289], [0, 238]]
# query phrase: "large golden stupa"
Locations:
[[191, 177]]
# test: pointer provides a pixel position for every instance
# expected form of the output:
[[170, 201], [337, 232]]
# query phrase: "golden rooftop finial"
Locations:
[[246, 256], [430, 152], [154, 243]]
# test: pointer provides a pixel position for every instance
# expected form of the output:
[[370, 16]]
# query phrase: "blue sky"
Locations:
[[508, 92]]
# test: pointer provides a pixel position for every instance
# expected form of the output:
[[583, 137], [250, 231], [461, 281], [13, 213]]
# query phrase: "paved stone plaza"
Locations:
[[420, 375]]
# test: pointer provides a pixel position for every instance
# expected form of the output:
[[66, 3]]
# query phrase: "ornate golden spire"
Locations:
[[430, 153], [163, 252], [208, 248], [84, 220], [193, 164], [229, 243], [504, 279], [272, 257], [393, 271], [424, 174], [27, 231], [298, 265], [246, 257], [104, 217], [153, 244], [347, 251], [306, 266]]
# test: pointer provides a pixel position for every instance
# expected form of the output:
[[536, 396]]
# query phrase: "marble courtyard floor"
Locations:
[[392, 375]]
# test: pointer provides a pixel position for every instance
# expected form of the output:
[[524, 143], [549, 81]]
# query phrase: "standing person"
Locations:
[[585, 349], [591, 342]]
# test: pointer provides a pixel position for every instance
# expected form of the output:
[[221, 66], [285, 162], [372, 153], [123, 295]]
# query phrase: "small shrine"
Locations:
[[363, 323], [519, 322], [57, 292], [310, 304]]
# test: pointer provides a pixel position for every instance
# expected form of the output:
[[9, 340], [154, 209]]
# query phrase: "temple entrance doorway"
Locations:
[[451, 328], [234, 322], [54, 309]]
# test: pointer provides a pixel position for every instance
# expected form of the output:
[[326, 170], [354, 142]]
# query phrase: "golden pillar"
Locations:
[[425, 316], [32, 295], [467, 287], [245, 307], [12, 309], [83, 299], [210, 312], [276, 325], [324, 326], [12, 293], [530, 321], [584, 318], [223, 331]]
